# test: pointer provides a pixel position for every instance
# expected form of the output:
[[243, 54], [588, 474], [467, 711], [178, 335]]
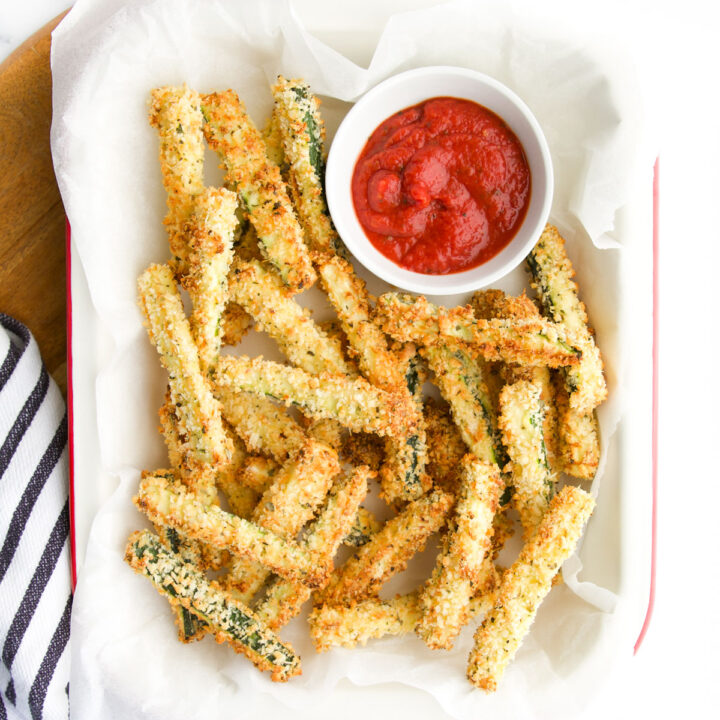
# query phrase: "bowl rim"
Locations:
[[367, 111]]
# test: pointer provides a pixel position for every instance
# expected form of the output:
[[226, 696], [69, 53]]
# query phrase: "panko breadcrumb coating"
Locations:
[[403, 475], [553, 274], [284, 599], [230, 132], [389, 550], [198, 413], [445, 599], [229, 620], [275, 311], [263, 426], [525, 585], [176, 115], [529, 341], [355, 403], [210, 237], [299, 487], [521, 423], [166, 502], [445, 445], [302, 132]]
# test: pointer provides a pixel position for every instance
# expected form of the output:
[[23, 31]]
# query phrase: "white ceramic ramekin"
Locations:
[[402, 91]]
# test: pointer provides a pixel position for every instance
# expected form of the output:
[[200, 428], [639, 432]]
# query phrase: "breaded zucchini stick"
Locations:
[[198, 412], [403, 475], [355, 403], [302, 132], [210, 246], [263, 426], [459, 571], [521, 424], [275, 311], [489, 304], [190, 627], [531, 341], [284, 599], [553, 274], [389, 550], [175, 113], [274, 144], [230, 132], [578, 436], [166, 502], [446, 447], [461, 384], [229, 620], [525, 585], [354, 624], [286, 506]]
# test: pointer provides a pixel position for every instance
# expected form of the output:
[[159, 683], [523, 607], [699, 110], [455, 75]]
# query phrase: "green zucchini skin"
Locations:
[[229, 620]]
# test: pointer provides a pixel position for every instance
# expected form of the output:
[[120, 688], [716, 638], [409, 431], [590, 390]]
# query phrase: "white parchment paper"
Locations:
[[107, 56]]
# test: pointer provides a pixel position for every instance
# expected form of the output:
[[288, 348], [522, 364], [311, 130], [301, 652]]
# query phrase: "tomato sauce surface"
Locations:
[[442, 186]]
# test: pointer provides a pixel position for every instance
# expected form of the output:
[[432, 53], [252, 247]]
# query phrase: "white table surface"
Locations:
[[678, 55]]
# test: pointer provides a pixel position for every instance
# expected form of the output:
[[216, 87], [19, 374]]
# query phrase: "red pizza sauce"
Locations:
[[442, 186]]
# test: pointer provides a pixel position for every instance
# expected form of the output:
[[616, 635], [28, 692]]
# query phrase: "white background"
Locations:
[[678, 55]]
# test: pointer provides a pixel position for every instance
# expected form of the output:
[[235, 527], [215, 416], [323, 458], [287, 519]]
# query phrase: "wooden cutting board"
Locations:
[[32, 219]]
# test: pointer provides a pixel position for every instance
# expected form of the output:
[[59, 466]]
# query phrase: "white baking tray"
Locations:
[[618, 547]]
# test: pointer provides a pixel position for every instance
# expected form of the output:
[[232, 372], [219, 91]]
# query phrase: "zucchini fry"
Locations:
[[198, 412], [445, 599], [210, 243], [229, 621], [525, 585], [190, 627], [389, 550], [403, 474], [302, 131], [175, 113], [461, 384], [284, 599], [274, 144], [263, 426], [355, 403], [446, 447], [530, 341], [230, 132], [489, 304], [265, 297], [166, 502], [355, 624], [578, 437], [290, 502], [521, 423], [553, 274]]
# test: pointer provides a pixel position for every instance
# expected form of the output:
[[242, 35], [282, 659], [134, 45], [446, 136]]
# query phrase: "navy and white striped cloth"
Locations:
[[35, 596]]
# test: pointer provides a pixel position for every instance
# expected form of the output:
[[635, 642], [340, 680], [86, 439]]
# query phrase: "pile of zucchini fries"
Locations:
[[260, 501]]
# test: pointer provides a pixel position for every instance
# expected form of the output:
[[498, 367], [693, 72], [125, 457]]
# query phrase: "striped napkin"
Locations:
[[35, 596]]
